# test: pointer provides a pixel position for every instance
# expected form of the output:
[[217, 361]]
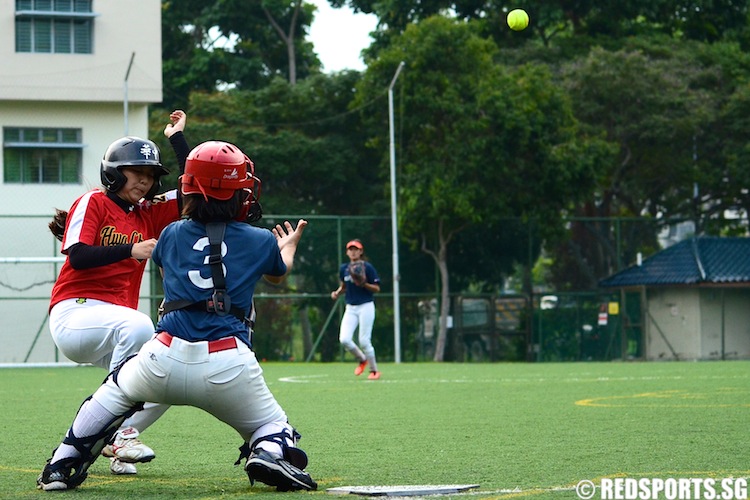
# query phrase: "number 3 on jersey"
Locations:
[[195, 275]]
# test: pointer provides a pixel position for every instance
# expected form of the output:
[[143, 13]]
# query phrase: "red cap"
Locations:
[[355, 243]]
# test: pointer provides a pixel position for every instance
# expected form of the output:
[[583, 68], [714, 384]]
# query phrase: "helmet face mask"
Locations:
[[251, 211], [126, 152]]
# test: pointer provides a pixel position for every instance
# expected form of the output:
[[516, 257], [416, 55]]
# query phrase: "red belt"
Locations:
[[213, 345]]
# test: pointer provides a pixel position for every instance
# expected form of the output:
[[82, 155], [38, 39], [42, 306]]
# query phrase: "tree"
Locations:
[[306, 144], [479, 142], [721, 147], [660, 102], [233, 43], [272, 30], [568, 26]]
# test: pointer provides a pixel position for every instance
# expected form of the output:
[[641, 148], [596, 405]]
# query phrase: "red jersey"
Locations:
[[95, 219]]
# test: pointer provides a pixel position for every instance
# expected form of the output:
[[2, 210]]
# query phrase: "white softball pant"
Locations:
[[228, 384], [362, 315], [104, 335], [98, 332]]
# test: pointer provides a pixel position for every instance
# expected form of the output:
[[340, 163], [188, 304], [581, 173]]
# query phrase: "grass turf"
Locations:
[[517, 430]]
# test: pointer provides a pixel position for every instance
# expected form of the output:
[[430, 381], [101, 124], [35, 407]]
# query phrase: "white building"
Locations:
[[687, 302], [64, 98]]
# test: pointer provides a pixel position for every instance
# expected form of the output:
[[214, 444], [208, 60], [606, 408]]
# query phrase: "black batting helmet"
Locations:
[[131, 152]]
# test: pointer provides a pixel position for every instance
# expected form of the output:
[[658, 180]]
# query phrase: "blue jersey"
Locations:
[[182, 252], [357, 295]]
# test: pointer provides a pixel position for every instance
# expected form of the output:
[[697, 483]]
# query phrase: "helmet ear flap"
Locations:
[[112, 179]]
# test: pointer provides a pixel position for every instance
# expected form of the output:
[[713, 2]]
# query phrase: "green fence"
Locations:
[[299, 321]]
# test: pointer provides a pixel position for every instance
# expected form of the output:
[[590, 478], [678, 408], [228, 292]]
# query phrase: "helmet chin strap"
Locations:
[[193, 181], [203, 191]]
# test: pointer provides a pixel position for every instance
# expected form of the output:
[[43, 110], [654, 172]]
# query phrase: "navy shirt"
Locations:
[[182, 252], [356, 295]]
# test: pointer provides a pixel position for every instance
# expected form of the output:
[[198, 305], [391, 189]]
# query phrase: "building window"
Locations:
[[42, 155], [54, 26]]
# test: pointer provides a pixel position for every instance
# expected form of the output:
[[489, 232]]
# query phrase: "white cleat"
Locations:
[[121, 468], [128, 448]]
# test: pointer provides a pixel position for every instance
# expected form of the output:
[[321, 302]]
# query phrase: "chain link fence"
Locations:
[[299, 321]]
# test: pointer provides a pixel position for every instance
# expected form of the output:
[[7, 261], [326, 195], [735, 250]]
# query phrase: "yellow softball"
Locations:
[[518, 19]]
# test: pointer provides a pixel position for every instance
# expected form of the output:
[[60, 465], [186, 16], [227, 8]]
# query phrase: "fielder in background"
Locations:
[[202, 354], [108, 235], [359, 282]]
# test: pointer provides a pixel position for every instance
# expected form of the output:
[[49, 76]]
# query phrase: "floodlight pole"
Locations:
[[394, 226], [125, 85]]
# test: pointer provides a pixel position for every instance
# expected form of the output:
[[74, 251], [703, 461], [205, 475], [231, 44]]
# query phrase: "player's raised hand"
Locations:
[[287, 235], [177, 120]]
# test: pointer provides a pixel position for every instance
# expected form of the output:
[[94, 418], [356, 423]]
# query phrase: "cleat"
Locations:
[[374, 376], [128, 448], [56, 477], [360, 368], [120, 468], [264, 467]]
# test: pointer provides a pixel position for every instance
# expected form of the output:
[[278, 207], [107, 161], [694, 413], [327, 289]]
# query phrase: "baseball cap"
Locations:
[[355, 243]]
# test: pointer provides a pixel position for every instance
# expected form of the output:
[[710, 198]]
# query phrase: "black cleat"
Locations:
[[264, 467], [56, 476]]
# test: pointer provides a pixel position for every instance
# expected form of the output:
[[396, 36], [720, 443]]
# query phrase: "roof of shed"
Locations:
[[693, 261]]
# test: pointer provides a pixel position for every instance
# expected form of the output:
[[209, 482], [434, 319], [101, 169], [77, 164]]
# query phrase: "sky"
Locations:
[[339, 35]]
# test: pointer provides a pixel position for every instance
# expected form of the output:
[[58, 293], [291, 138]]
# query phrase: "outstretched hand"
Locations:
[[177, 120], [287, 235]]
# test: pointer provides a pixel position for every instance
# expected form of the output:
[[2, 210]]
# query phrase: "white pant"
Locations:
[[104, 335], [364, 316], [97, 332], [228, 384]]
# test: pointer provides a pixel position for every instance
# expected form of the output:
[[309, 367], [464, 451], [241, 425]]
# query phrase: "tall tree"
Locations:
[[479, 143], [571, 25], [660, 108], [306, 144], [216, 44]]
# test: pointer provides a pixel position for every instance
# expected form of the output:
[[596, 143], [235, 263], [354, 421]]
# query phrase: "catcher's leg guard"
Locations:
[[57, 476], [286, 472], [287, 440], [73, 470], [68, 473], [89, 447]]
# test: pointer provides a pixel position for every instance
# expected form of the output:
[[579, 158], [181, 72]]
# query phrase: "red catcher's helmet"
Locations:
[[217, 169]]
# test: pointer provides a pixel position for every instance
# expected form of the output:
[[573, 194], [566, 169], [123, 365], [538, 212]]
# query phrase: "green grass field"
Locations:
[[517, 430]]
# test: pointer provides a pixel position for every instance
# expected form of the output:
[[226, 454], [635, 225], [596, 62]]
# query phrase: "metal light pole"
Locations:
[[125, 85], [394, 227]]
